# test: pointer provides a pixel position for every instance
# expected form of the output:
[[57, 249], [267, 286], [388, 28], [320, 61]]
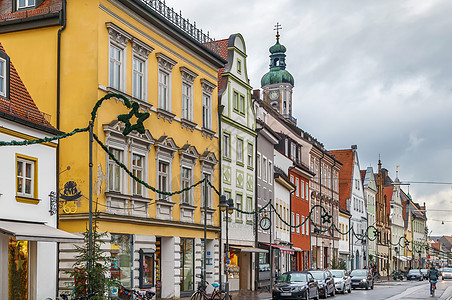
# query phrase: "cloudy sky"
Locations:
[[377, 74]]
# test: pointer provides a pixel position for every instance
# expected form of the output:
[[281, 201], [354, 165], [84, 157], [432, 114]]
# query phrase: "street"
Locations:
[[383, 290]]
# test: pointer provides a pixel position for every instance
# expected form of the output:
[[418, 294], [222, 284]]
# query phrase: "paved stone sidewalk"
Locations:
[[248, 295]]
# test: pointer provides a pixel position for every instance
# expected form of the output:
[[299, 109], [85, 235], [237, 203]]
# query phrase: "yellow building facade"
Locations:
[[149, 54]]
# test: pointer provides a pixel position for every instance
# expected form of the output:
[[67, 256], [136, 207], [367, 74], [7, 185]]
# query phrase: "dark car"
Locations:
[[362, 278], [295, 285], [414, 274], [326, 282]]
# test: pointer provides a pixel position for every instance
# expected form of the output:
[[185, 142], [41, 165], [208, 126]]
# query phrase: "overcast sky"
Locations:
[[372, 73]]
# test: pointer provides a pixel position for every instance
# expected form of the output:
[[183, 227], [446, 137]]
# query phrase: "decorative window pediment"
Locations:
[[141, 49], [208, 159], [207, 86], [188, 152], [166, 144], [165, 62], [114, 130], [117, 34], [187, 74]]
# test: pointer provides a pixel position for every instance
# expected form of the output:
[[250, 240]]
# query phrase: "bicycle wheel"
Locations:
[[197, 296]]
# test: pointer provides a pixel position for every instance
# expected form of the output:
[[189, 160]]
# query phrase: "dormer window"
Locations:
[[4, 74], [25, 3], [2, 77]]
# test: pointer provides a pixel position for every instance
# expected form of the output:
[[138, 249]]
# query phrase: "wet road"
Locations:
[[410, 290]]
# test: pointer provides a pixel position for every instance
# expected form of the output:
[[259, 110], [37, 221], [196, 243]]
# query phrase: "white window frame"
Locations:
[[164, 90], [3, 77], [139, 74], [188, 78], [249, 207], [307, 191], [116, 81], [135, 169], [293, 151], [293, 221], [258, 165], [238, 215], [207, 111], [250, 148], [209, 172], [302, 189], [227, 145], [239, 150], [167, 175], [187, 196], [298, 223], [270, 171], [118, 38], [111, 165], [24, 178], [264, 168], [28, 3], [297, 187]]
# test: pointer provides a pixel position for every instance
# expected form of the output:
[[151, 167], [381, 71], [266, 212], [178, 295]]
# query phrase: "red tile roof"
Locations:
[[363, 175], [435, 245], [346, 157], [47, 7], [20, 104]]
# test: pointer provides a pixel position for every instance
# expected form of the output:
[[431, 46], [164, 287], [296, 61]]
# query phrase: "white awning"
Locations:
[[249, 249], [296, 249], [37, 232]]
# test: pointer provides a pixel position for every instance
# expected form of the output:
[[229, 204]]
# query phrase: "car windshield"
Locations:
[[358, 273], [413, 272], [337, 273], [424, 271], [317, 275], [447, 270], [292, 277]]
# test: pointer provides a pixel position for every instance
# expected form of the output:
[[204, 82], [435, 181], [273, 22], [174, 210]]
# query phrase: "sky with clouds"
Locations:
[[372, 73]]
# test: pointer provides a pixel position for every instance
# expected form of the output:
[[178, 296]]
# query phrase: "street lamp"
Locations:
[[227, 205]]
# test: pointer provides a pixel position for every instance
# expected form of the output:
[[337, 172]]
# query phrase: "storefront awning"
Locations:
[[297, 249], [249, 249], [282, 248], [37, 232]]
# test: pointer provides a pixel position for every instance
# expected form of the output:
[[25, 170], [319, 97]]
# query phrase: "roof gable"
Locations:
[[346, 157]]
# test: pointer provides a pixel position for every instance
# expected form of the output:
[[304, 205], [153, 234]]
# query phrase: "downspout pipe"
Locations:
[[63, 19], [220, 244]]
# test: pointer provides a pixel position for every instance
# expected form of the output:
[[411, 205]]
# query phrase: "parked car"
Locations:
[[414, 274], [447, 273], [362, 278], [424, 273], [296, 285], [325, 281], [342, 281]]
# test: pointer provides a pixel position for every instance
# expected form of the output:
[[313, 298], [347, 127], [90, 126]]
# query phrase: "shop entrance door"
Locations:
[[245, 270]]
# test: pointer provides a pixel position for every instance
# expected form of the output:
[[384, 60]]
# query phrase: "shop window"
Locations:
[[18, 269], [187, 262], [121, 255], [146, 269]]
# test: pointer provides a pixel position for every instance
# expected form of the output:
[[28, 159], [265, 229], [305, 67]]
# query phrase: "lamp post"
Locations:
[[227, 205]]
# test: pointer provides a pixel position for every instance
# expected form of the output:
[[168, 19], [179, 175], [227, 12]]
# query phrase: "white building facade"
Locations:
[[397, 226], [370, 192]]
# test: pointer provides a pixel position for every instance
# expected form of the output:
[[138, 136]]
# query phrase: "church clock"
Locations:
[[274, 95]]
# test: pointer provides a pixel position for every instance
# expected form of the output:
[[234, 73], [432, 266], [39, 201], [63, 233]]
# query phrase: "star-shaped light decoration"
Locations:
[[326, 218], [126, 120]]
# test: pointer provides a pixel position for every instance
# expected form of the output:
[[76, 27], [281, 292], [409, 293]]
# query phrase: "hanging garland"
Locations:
[[326, 218]]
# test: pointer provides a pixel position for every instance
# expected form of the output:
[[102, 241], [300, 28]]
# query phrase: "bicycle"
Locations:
[[432, 287], [201, 294], [84, 297], [128, 294]]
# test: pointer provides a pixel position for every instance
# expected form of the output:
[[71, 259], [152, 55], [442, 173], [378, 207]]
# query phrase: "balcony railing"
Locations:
[[182, 23]]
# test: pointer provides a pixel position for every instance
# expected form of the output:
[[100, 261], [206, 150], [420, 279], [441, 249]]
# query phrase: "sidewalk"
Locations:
[[249, 295]]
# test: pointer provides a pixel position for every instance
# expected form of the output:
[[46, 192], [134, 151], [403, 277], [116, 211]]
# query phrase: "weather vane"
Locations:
[[277, 28]]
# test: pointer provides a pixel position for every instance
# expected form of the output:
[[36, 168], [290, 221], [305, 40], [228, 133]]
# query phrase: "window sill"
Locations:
[[239, 112], [187, 206], [240, 164], [208, 132], [250, 168], [188, 124], [240, 221], [27, 200], [249, 222], [165, 115], [143, 104], [228, 159]]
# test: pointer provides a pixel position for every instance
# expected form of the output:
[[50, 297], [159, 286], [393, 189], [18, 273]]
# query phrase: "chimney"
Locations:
[[354, 147], [257, 94]]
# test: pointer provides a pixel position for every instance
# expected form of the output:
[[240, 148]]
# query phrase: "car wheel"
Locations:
[[372, 287]]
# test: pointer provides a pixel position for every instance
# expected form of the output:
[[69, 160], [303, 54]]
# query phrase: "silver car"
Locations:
[[447, 273], [342, 281]]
